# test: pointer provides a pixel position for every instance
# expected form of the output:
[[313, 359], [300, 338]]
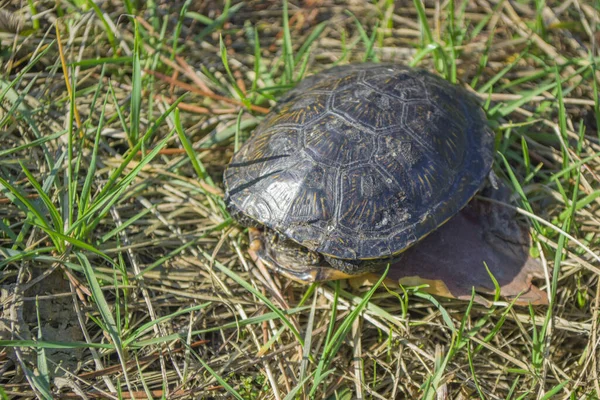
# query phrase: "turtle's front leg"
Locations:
[[291, 259]]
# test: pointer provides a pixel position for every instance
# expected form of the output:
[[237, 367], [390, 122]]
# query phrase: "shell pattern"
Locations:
[[361, 161]]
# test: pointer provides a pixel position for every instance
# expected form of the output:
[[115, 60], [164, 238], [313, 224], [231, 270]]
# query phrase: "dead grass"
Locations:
[[123, 276]]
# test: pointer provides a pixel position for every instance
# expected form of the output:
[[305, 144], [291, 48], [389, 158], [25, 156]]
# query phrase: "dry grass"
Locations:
[[123, 276]]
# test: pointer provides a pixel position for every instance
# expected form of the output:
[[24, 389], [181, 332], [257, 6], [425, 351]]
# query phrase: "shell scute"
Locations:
[[403, 85], [333, 141], [439, 135], [369, 202], [367, 106]]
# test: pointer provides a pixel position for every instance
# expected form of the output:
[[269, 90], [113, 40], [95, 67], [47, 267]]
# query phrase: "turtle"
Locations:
[[354, 166]]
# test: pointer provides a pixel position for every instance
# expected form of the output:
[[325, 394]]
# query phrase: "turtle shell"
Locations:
[[361, 161]]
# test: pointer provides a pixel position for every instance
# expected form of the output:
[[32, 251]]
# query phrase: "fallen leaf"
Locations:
[[451, 260]]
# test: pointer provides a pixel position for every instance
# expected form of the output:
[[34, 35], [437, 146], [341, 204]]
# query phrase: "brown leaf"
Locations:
[[451, 259]]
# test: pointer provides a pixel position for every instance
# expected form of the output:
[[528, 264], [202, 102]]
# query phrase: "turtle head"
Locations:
[[292, 259]]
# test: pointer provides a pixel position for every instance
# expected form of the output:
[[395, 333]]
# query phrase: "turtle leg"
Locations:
[[349, 267], [359, 267], [291, 259]]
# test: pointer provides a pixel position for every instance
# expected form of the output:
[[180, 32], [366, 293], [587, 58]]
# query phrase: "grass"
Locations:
[[122, 274]]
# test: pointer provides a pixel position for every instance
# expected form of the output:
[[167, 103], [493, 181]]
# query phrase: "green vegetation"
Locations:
[[122, 274]]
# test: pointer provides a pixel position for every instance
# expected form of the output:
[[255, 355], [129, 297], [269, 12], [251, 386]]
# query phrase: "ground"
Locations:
[[123, 275]]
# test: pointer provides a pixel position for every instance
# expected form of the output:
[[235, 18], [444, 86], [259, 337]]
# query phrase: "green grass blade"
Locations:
[[555, 390], [314, 35], [108, 195], [26, 206], [7, 87], [526, 159], [445, 315], [319, 373], [221, 381], [258, 294], [303, 381], [233, 325], [364, 36], [199, 17], [434, 382], [77, 243], [105, 313], [596, 94], [38, 383], [33, 144], [101, 208], [107, 29], [519, 189], [85, 195], [8, 232], [236, 88], [562, 119], [474, 374], [112, 233], [494, 281], [148, 325], [288, 51], [51, 344], [426, 31], [136, 90], [489, 84], [178, 26], [257, 65], [94, 62], [57, 222], [189, 150], [228, 11], [43, 376], [332, 346], [369, 54], [308, 338]]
